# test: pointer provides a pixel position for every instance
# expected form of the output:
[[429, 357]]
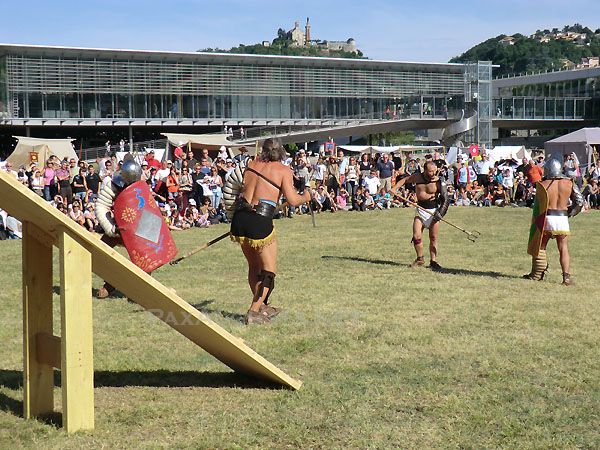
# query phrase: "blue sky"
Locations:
[[427, 31]]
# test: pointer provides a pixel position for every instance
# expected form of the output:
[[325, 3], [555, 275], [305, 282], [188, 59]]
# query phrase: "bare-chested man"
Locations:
[[262, 182], [560, 189], [433, 198]]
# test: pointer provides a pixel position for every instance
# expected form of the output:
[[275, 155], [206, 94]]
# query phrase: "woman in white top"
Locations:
[[352, 176], [215, 184], [320, 170], [76, 214], [37, 183]]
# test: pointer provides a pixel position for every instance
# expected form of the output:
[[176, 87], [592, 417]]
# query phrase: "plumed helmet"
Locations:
[[554, 166], [130, 173]]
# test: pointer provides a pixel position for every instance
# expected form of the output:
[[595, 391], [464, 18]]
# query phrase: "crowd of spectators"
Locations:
[[188, 187]]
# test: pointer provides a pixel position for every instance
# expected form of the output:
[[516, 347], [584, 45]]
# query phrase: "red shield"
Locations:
[[145, 233]]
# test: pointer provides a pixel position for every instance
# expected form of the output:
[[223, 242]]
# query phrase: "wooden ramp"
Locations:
[[81, 252]]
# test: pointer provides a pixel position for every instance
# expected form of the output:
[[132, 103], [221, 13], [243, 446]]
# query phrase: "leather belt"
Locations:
[[262, 208], [558, 212]]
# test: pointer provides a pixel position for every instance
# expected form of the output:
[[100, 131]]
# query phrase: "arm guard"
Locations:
[[576, 201], [104, 205], [233, 187], [443, 202]]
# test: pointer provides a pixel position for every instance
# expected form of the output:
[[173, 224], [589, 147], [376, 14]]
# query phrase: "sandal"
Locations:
[[418, 262], [270, 311], [434, 265], [257, 318]]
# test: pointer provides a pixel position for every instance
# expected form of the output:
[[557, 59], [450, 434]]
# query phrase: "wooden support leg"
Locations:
[[77, 359], [38, 377]]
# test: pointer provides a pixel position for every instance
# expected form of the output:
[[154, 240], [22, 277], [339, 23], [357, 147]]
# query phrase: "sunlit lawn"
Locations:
[[391, 357]]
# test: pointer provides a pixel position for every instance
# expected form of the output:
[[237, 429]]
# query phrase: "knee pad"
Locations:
[[267, 281], [417, 241]]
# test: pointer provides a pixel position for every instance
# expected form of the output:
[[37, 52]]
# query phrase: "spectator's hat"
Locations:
[[151, 152], [192, 202], [144, 163], [229, 160]]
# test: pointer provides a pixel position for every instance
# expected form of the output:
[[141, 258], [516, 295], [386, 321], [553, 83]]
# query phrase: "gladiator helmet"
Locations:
[[130, 173], [554, 166]]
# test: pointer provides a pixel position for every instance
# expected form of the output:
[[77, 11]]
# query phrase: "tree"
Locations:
[[281, 34]]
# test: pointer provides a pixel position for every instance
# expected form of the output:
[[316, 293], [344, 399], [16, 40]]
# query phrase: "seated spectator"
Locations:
[[369, 201], [341, 199], [75, 213], [89, 216], [499, 196], [358, 203], [13, 228], [461, 197]]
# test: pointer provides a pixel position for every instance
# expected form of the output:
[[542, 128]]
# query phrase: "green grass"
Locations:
[[390, 357]]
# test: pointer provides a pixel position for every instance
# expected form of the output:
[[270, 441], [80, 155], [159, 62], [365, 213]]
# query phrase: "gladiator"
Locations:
[[432, 197], [251, 195], [552, 199]]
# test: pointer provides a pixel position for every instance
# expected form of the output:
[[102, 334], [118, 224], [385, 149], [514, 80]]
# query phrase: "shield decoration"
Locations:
[[538, 220], [145, 233]]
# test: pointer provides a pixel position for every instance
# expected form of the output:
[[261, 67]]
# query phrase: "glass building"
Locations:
[[572, 94], [67, 86]]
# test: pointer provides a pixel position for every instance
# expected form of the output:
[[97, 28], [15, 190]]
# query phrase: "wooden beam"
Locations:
[[77, 358], [48, 349], [38, 377]]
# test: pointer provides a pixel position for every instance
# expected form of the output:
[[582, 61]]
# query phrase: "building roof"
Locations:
[[222, 58]]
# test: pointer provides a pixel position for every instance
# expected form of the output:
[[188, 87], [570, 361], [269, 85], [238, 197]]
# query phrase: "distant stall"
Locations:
[[585, 143], [38, 150], [211, 142]]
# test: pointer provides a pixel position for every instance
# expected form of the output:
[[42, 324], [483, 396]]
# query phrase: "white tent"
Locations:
[[29, 149], [390, 149], [499, 152], [580, 142]]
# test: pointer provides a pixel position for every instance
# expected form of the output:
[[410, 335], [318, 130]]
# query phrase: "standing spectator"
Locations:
[[92, 181], [385, 167], [343, 163], [49, 181], [332, 174], [73, 168], [152, 162], [205, 155], [482, 169], [320, 170], [508, 182], [462, 177], [79, 185], [185, 187], [242, 133], [534, 172], [172, 181], [64, 182], [37, 183], [215, 184], [122, 145], [107, 146], [364, 166], [352, 176]]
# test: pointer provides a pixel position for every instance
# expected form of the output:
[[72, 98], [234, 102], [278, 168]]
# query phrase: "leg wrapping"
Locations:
[[417, 241], [539, 265], [266, 280]]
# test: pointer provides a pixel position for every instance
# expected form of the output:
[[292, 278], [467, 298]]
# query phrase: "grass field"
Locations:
[[391, 357]]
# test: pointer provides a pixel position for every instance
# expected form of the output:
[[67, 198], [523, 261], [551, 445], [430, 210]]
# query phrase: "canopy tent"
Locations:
[[211, 142], [390, 149], [517, 152], [30, 149], [580, 142]]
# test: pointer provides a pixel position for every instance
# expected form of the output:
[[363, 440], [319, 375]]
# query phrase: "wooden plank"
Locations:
[[38, 377], [141, 287], [77, 362], [48, 349]]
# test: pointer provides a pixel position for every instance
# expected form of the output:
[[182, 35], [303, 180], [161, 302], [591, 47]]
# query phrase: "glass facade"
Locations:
[[146, 85], [577, 98]]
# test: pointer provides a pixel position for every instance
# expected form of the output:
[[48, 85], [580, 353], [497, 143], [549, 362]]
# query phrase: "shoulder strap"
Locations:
[[263, 177]]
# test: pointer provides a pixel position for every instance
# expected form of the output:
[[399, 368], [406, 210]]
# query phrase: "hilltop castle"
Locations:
[[302, 39]]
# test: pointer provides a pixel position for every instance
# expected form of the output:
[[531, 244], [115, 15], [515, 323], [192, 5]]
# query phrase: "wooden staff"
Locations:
[[472, 236]]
